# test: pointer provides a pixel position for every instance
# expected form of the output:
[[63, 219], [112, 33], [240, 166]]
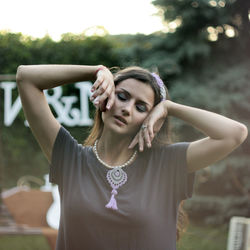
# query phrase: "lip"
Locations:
[[121, 119]]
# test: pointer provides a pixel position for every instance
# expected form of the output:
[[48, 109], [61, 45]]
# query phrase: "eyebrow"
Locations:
[[139, 100]]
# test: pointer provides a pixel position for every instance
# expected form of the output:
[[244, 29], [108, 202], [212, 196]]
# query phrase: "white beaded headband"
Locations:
[[161, 86]]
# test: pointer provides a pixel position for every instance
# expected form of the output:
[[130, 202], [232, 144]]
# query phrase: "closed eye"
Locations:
[[141, 107], [121, 96]]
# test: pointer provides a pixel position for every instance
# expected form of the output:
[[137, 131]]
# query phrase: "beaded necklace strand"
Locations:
[[108, 166], [116, 176]]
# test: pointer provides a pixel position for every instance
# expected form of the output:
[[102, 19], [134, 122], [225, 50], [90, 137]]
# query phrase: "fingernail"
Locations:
[[91, 98], [108, 107], [92, 89]]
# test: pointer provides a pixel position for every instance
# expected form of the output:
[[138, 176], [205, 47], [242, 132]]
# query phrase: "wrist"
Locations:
[[99, 68], [169, 106]]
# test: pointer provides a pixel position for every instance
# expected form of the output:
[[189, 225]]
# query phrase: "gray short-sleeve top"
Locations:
[[147, 203]]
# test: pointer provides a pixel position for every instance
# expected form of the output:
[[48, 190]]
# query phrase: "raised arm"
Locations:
[[223, 134], [33, 79]]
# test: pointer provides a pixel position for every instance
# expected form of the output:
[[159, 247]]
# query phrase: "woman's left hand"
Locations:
[[151, 125]]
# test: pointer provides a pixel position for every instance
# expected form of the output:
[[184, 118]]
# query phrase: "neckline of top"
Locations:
[[133, 163]]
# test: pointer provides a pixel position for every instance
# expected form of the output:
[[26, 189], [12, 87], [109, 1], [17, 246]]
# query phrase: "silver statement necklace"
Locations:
[[116, 176]]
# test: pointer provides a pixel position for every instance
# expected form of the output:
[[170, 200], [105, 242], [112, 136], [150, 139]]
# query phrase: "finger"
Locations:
[[134, 141], [103, 100], [141, 141], [101, 89], [105, 94], [97, 83], [96, 101], [147, 137], [111, 100], [151, 131]]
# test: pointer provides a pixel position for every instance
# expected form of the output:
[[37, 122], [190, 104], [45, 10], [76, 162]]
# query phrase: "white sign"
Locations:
[[62, 105]]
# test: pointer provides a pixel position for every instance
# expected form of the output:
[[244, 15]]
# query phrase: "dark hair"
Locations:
[[163, 137], [143, 75]]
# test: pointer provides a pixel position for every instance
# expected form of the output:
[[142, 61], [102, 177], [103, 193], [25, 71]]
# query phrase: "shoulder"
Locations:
[[174, 152], [163, 152], [66, 142], [177, 146]]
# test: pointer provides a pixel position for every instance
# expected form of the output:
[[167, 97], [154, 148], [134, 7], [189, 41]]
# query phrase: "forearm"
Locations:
[[211, 124], [50, 76]]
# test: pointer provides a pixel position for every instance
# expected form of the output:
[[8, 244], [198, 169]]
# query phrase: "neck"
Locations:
[[113, 149]]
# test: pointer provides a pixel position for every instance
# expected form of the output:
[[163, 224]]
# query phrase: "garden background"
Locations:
[[203, 60]]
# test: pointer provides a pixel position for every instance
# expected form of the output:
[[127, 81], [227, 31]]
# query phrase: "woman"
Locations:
[[122, 189]]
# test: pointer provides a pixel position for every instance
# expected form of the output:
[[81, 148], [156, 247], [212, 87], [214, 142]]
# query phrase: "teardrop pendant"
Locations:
[[116, 178]]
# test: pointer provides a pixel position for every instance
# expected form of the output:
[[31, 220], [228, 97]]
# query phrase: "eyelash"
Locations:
[[122, 97]]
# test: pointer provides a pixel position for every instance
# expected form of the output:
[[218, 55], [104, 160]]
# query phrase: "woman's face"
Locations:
[[133, 102]]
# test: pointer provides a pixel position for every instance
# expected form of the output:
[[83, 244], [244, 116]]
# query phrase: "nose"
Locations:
[[127, 108]]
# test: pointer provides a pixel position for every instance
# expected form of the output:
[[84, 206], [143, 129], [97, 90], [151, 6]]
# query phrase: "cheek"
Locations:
[[106, 115], [109, 113], [117, 104], [139, 119]]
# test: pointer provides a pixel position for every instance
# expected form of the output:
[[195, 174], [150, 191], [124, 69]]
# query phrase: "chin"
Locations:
[[110, 124], [119, 130]]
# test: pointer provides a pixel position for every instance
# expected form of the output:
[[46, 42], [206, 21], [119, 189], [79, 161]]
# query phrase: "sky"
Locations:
[[55, 17]]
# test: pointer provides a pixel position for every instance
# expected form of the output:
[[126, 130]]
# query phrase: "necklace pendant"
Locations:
[[116, 177]]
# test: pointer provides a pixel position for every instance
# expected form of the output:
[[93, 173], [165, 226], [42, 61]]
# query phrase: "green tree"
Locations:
[[16, 49], [210, 49]]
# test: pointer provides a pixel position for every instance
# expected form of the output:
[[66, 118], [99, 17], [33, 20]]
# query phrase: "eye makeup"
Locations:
[[124, 95]]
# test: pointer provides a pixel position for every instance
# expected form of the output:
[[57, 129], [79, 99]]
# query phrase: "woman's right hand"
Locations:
[[103, 89]]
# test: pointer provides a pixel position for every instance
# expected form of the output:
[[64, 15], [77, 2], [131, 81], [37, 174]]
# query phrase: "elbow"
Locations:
[[19, 74], [241, 134]]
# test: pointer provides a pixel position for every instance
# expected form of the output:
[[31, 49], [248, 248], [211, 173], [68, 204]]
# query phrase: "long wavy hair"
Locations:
[[163, 137]]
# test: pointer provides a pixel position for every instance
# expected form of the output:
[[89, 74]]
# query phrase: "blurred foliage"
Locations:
[[214, 75], [204, 61], [196, 237], [27, 242], [200, 236]]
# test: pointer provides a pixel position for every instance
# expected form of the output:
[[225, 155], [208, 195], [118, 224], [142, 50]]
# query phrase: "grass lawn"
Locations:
[[196, 238], [204, 238], [34, 242]]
